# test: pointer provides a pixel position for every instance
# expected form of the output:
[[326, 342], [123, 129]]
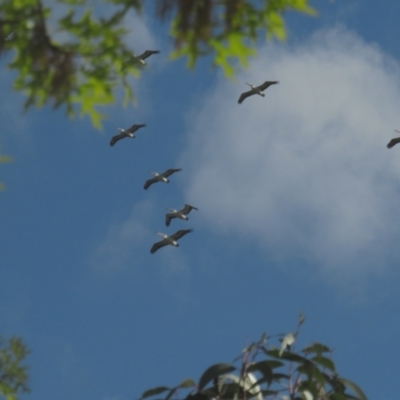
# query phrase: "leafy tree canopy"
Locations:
[[266, 372], [13, 375], [84, 70]]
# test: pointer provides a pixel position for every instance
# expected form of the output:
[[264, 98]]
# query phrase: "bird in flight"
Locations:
[[256, 90], [169, 240], [394, 141], [182, 214], [160, 177], [145, 55], [126, 133]]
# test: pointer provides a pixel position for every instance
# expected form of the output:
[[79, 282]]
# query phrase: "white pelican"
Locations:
[[179, 214], [256, 90], [172, 240], [160, 177], [146, 54], [126, 133], [394, 141]]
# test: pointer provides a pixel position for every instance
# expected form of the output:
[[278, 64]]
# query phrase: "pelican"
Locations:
[[256, 90], [179, 214], [146, 54], [160, 177], [394, 141], [126, 133], [172, 240]]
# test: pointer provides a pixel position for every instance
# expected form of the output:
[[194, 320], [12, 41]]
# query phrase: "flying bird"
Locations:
[[394, 141], [145, 55], [126, 133], [172, 240], [179, 214], [256, 90], [160, 177]]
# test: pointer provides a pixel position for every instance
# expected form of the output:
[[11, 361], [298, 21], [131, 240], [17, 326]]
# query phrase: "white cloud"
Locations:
[[140, 37], [128, 243], [124, 239], [305, 170]]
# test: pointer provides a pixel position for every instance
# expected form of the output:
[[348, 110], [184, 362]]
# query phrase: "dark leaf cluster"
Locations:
[[264, 371]]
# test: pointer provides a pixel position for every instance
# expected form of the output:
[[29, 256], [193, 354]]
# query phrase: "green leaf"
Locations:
[[187, 383], [5, 159], [152, 392], [266, 369], [306, 395], [213, 372], [317, 348], [288, 340], [355, 388], [199, 396], [338, 396], [325, 362]]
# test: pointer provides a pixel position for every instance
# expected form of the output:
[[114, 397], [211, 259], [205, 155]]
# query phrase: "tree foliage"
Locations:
[[266, 372], [84, 70], [4, 159], [13, 375]]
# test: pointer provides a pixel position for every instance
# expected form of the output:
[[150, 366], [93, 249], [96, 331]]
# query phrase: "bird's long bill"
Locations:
[[163, 235]]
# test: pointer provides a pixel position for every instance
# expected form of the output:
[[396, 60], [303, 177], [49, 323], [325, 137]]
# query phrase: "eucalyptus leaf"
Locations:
[[154, 391], [325, 362], [306, 395], [288, 340], [189, 382], [355, 388], [317, 348], [213, 372]]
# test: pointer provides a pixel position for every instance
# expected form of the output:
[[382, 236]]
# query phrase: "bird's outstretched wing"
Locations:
[[149, 182], [148, 53], [244, 95], [171, 171], [181, 233], [135, 127], [115, 138], [188, 208], [393, 142], [266, 84], [168, 218], [158, 245]]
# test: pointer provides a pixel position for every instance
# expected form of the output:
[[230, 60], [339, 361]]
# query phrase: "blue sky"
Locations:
[[297, 198]]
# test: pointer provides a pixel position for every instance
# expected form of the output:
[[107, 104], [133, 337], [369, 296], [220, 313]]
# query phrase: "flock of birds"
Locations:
[[163, 177]]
